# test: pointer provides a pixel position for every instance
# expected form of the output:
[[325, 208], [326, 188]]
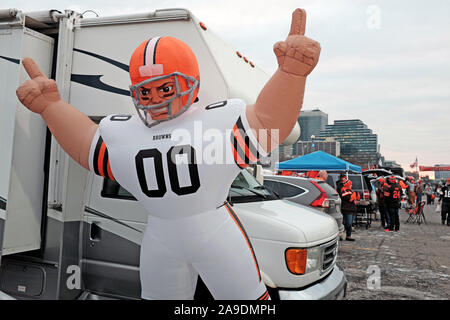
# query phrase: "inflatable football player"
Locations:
[[191, 228]]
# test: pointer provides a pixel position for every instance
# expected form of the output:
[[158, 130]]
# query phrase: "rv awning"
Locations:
[[318, 160]]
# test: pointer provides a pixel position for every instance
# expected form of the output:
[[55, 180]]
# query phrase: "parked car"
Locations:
[[399, 171], [309, 192], [378, 172]]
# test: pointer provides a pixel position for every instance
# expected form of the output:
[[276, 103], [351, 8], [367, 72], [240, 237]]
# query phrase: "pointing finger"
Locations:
[[32, 68], [298, 24]]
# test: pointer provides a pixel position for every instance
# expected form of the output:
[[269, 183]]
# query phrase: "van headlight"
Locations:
[[300, 261], [313, 259]]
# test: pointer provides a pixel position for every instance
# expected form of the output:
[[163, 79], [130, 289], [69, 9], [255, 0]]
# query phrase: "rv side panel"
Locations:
[[10, 47], [26, 182]]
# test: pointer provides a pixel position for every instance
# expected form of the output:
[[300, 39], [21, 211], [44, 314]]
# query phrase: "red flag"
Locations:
[[414, 165]]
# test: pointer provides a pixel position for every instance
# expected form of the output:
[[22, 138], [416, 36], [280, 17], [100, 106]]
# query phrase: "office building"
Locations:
[[329, 146], [358, 144], [311, 123], [441, 175]]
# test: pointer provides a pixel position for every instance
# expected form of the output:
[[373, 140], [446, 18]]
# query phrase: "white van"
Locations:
[[66, 233]]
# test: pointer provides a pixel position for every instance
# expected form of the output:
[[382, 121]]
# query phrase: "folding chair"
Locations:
[[416, 215], [420, 216], [411, 210]]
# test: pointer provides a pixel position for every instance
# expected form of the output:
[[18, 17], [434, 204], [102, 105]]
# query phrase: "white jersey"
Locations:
[[181, 167]]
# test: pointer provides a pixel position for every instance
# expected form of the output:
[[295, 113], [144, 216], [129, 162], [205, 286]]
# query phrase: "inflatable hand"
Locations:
[[39, 92], [297, 55]]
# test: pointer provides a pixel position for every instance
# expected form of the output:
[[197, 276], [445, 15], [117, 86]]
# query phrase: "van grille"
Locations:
[[329, 250]]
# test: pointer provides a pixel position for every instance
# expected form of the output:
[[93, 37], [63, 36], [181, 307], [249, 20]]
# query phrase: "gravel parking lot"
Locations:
[[411, 264]]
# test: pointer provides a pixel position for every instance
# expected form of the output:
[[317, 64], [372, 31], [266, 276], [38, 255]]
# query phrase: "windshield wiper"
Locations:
[[252, 191]]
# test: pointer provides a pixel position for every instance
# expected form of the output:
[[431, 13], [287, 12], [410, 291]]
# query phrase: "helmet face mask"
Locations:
[[149, 113]]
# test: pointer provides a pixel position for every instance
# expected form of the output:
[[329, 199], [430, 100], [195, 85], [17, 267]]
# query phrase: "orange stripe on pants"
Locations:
[[236, 220]]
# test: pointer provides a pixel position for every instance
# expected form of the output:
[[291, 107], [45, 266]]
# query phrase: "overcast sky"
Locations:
[[385, 62]]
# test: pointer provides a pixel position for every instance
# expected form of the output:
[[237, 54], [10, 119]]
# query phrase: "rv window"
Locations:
[[111, 189]]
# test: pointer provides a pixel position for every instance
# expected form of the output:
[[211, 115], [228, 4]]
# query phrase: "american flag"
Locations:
[[414, 165]]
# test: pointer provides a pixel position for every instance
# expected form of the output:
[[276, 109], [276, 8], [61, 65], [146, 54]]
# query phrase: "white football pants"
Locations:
[[213, 245]]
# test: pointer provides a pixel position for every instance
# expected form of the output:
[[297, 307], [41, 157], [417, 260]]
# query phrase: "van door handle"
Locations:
[[95, 232]]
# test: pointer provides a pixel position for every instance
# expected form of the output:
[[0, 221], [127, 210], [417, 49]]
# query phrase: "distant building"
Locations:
[[391, 163], [329, 146], [441, 175], [311, 123], [358, 144], [285, 153]]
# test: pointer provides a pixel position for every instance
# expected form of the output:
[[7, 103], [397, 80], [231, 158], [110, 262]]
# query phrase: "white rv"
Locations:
[[66, 233]]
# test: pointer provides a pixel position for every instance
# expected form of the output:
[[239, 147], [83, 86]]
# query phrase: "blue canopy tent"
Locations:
[[318, 160]]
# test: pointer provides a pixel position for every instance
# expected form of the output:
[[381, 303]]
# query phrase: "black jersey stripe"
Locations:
[[105, 164], [246, 138], [237, 151], [96, 154]]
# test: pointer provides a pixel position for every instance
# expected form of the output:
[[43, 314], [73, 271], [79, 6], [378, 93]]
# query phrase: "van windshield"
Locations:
[[245, 188]]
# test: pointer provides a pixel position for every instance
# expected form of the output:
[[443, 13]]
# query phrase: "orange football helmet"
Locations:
[[154, 61]]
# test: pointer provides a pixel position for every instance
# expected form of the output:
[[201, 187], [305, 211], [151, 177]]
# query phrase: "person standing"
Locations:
[[348, 208], [410, 191], [445, 199], [392, 195], [384, 216], [428, 191], [419, 191]]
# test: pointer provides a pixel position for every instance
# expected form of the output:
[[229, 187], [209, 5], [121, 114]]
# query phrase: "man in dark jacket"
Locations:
[[384, 215], [348, 207], [393, 194], [445, 199]]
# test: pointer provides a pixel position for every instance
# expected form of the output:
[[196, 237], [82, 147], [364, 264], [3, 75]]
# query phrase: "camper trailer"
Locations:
[[66, 233]]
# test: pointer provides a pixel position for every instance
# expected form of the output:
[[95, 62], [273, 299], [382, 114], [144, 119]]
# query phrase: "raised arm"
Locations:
[[280, 101], [72, 129]]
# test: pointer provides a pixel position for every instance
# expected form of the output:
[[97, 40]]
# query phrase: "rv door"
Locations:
[[22, 139]]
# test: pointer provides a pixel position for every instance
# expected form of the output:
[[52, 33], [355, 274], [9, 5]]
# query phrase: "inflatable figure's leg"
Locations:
[[227, 262], [164, 275]]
